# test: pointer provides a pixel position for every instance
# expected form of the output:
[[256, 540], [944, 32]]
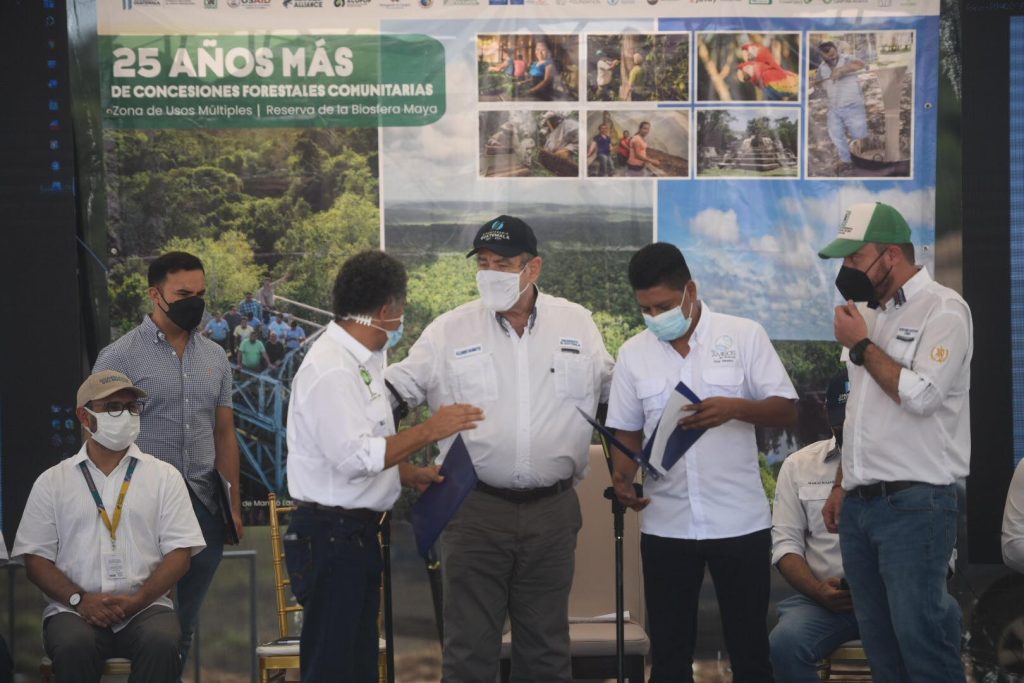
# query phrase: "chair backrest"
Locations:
[[282, 584], [593, 588]]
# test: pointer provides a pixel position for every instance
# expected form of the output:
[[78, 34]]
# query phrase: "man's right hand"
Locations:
[[98, 611], [626, 494], [832, 597], [453, 418], [833, 506]]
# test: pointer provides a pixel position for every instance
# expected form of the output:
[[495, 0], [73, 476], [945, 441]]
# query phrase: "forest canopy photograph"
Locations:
[[638, 67]]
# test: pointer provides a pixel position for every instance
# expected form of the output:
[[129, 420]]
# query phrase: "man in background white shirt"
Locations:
[[342, 474], [1013, 521], [105, 535], [710, 509], [529, 359], [819, 617], [907, 440]]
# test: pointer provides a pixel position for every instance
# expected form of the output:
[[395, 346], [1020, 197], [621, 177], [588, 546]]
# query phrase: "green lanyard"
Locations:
[[111, 526]]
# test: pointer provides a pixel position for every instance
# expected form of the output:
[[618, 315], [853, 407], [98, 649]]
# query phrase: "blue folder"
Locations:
[[439, 503], [680, 440], [607, 435]]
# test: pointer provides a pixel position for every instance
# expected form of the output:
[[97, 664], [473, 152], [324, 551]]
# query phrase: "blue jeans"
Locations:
[[850, 118], [896, 551], [334, 565], [604, 165], [806, 634], [193, 586]]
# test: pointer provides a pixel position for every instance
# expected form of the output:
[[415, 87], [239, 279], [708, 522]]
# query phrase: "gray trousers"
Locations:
[[78, 649], [503, 559]]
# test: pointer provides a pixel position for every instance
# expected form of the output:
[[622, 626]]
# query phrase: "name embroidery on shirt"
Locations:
[[570, 345], [907, 334], [466, 351], [723, 351]]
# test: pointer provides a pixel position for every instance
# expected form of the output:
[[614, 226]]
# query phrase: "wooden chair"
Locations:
[[277, 656], [848, 664], [115, 666], [592, 645]]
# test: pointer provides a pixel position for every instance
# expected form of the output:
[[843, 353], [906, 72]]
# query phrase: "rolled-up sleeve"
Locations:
[[343, 424], [789, 521], [939, 360], [625, 409], [1013, 522]]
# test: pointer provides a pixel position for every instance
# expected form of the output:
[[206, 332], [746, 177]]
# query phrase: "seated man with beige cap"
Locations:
[[105, 535]]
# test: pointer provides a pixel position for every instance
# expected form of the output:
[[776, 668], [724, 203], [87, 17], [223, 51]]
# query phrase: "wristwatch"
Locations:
[[857, 351], [75, 600]]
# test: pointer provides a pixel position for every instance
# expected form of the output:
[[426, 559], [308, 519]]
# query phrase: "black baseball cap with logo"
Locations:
[[506, 236]]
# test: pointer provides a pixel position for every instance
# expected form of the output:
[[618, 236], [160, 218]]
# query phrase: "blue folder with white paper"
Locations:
[[607, 435], [669, 441], [439, 503]]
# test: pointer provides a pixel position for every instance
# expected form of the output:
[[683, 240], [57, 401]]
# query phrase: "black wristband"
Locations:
[[857, 351]]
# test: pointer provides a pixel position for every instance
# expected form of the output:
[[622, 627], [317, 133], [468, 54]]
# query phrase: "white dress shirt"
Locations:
[[61, 524], [926, 437], [528, 387], [338, 419], [804, 483], [1013, 521], [715, 490]]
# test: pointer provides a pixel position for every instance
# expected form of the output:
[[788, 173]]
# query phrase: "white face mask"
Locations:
[[499, 291], [115, 433]]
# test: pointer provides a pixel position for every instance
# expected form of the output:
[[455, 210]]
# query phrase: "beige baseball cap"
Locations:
[[103, 384]]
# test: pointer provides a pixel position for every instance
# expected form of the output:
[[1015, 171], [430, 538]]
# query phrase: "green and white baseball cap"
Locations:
[[866, 223]]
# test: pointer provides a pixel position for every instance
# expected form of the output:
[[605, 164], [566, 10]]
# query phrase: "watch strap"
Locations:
[[857, 351]]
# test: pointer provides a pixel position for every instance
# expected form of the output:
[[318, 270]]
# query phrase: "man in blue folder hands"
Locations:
[[529, 360], [346, 466], [709, 509]]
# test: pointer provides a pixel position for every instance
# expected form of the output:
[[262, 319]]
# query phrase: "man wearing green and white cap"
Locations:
[[907, 441]]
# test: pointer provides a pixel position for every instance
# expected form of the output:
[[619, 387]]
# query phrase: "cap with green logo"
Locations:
[[864, 224]]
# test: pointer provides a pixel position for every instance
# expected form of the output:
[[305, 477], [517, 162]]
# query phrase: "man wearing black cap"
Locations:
[[528, 360], [907, 442], [819, 617]]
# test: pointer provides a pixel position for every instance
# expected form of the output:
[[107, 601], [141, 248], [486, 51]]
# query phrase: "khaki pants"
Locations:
[[504, 559]]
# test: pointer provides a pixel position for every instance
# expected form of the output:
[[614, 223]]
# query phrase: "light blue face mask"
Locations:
[[671, 324], [394, 336]]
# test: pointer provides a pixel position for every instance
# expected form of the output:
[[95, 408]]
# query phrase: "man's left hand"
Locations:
[[711, 412], [236, 517], [127, 604], [850, 326], [420, 478]]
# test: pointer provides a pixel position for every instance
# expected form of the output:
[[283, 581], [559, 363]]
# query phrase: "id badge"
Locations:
[[114, 567]]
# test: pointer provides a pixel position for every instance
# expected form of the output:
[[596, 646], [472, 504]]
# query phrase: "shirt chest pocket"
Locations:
[[723, 381], [573, 377], [812, 498], [651, 393], [474, 379], [901, 349]]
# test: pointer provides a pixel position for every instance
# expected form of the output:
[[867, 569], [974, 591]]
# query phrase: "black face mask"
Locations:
[[185, 313], [855, 285]]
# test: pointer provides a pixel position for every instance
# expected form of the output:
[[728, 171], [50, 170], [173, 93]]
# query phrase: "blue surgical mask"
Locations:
[[671, 324], [394, 336]]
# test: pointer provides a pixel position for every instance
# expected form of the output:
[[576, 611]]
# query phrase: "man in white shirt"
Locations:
[[710, 509], [105, 535], [906, 441], [819, 617], [837, 76], [342, 474], [1013, 521], [529, 359]]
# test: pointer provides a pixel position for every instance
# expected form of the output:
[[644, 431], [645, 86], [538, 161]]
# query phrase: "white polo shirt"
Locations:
[[61, 524], [925, 437], [715, 490], [804, 483], [338, 419], [528, 387], [1013, 521]]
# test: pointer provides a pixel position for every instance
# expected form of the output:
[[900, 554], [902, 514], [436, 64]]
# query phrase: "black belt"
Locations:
[[883, 488], [518, 496], [361, 514]]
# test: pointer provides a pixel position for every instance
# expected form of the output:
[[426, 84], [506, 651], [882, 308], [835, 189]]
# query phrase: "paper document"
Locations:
[[224, 491], [669, 441], [437, 505]]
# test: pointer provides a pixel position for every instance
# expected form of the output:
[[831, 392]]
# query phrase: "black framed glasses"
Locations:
[[116, 408]]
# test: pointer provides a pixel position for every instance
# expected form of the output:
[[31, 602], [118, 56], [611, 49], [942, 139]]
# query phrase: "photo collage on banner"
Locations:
[[277, 139]]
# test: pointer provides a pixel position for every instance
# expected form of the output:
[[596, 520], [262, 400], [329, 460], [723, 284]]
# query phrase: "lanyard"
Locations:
[[111, 526]]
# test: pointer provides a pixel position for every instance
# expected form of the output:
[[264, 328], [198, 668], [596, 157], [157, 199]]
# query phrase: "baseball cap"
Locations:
[[505, 235], [866, 223], [835, 397], [103, 384]]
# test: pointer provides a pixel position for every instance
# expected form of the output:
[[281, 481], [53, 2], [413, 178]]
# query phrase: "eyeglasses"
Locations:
[[115, 408]]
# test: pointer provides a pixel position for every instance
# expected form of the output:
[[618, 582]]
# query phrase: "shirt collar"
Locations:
[[338, 335], [153, 332], [915, 284], [504, 324], [703, 328], [82, 455]]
